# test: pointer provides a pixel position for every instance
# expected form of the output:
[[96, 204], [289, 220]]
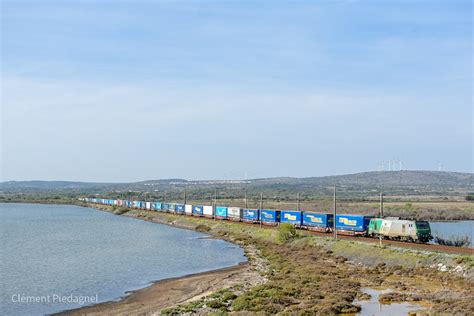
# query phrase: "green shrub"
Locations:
[[202, 228], [286, 232], [241, 303], [120, 210], [228, 296], [215, 304]]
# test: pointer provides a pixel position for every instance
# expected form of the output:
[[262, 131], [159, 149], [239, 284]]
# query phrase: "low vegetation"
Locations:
[[286, 232], [456, 241], [317, 275], [120, 210], [202, 228]]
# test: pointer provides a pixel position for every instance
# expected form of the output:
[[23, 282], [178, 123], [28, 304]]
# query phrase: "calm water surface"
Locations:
[[449, 230], [372, 307], [63, 250]]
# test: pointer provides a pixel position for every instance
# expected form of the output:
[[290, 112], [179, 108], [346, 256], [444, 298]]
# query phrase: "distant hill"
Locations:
[[380, 179], [49, 185], [394, 182]]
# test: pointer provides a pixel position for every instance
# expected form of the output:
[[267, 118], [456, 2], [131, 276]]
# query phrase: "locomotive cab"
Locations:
[[423, 231]]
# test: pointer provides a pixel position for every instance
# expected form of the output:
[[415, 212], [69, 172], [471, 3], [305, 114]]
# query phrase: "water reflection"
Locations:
[[373, 307]]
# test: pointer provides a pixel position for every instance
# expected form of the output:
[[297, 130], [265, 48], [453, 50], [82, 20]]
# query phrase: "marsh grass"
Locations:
[[311, 275]]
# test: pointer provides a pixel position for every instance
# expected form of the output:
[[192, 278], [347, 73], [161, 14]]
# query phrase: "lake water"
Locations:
[[51, 253], [453, 229]]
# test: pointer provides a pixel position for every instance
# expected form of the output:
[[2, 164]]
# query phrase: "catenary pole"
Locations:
[[381, 216], [260, 210], [215, 204], [381, 205], [334, 215], [246, 204]]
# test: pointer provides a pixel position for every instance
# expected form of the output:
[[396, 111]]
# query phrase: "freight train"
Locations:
[[352, 225]]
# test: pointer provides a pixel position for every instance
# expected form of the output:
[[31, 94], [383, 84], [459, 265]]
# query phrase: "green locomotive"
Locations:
[[397, 229]]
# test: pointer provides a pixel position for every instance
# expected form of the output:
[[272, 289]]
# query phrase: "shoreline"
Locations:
[[164, 293], [168, 292]]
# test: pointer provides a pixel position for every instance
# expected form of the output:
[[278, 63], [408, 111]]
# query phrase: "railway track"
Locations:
[[386, 242], [412, 245]]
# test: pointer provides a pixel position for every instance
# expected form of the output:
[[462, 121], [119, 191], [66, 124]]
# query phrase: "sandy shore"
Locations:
[[169, 292]]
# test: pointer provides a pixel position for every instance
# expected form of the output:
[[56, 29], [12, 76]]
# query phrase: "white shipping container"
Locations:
[[188, 209], [148, 205], [234, 213], [208, 211]]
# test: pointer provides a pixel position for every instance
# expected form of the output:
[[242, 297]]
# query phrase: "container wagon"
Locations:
[[172, 207], [270, 217], [165, 207], [234, 214], [156, 206], [208, 211], [221, 212], [148, 205], [198, 210], [250, 215], [188, 209], [136, 204], [291, 217], [318, 222], [179, 208], [352, 225]]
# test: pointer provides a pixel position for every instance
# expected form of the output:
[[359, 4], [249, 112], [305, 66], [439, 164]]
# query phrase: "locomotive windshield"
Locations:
[[422, 224]]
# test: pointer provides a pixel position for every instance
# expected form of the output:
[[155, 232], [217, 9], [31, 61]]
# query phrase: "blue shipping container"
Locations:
[[221, 211], [197, 210], [292, 217], [250, 215], [271, 216], [164, 206], [318, 220], [358, 223], [156, 206], [179, 208]]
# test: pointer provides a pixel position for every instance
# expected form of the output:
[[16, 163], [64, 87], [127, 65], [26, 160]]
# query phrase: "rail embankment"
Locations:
[[315, 274]]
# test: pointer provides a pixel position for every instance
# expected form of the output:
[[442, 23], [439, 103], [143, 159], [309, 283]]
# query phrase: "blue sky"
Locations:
[[133, 90]]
